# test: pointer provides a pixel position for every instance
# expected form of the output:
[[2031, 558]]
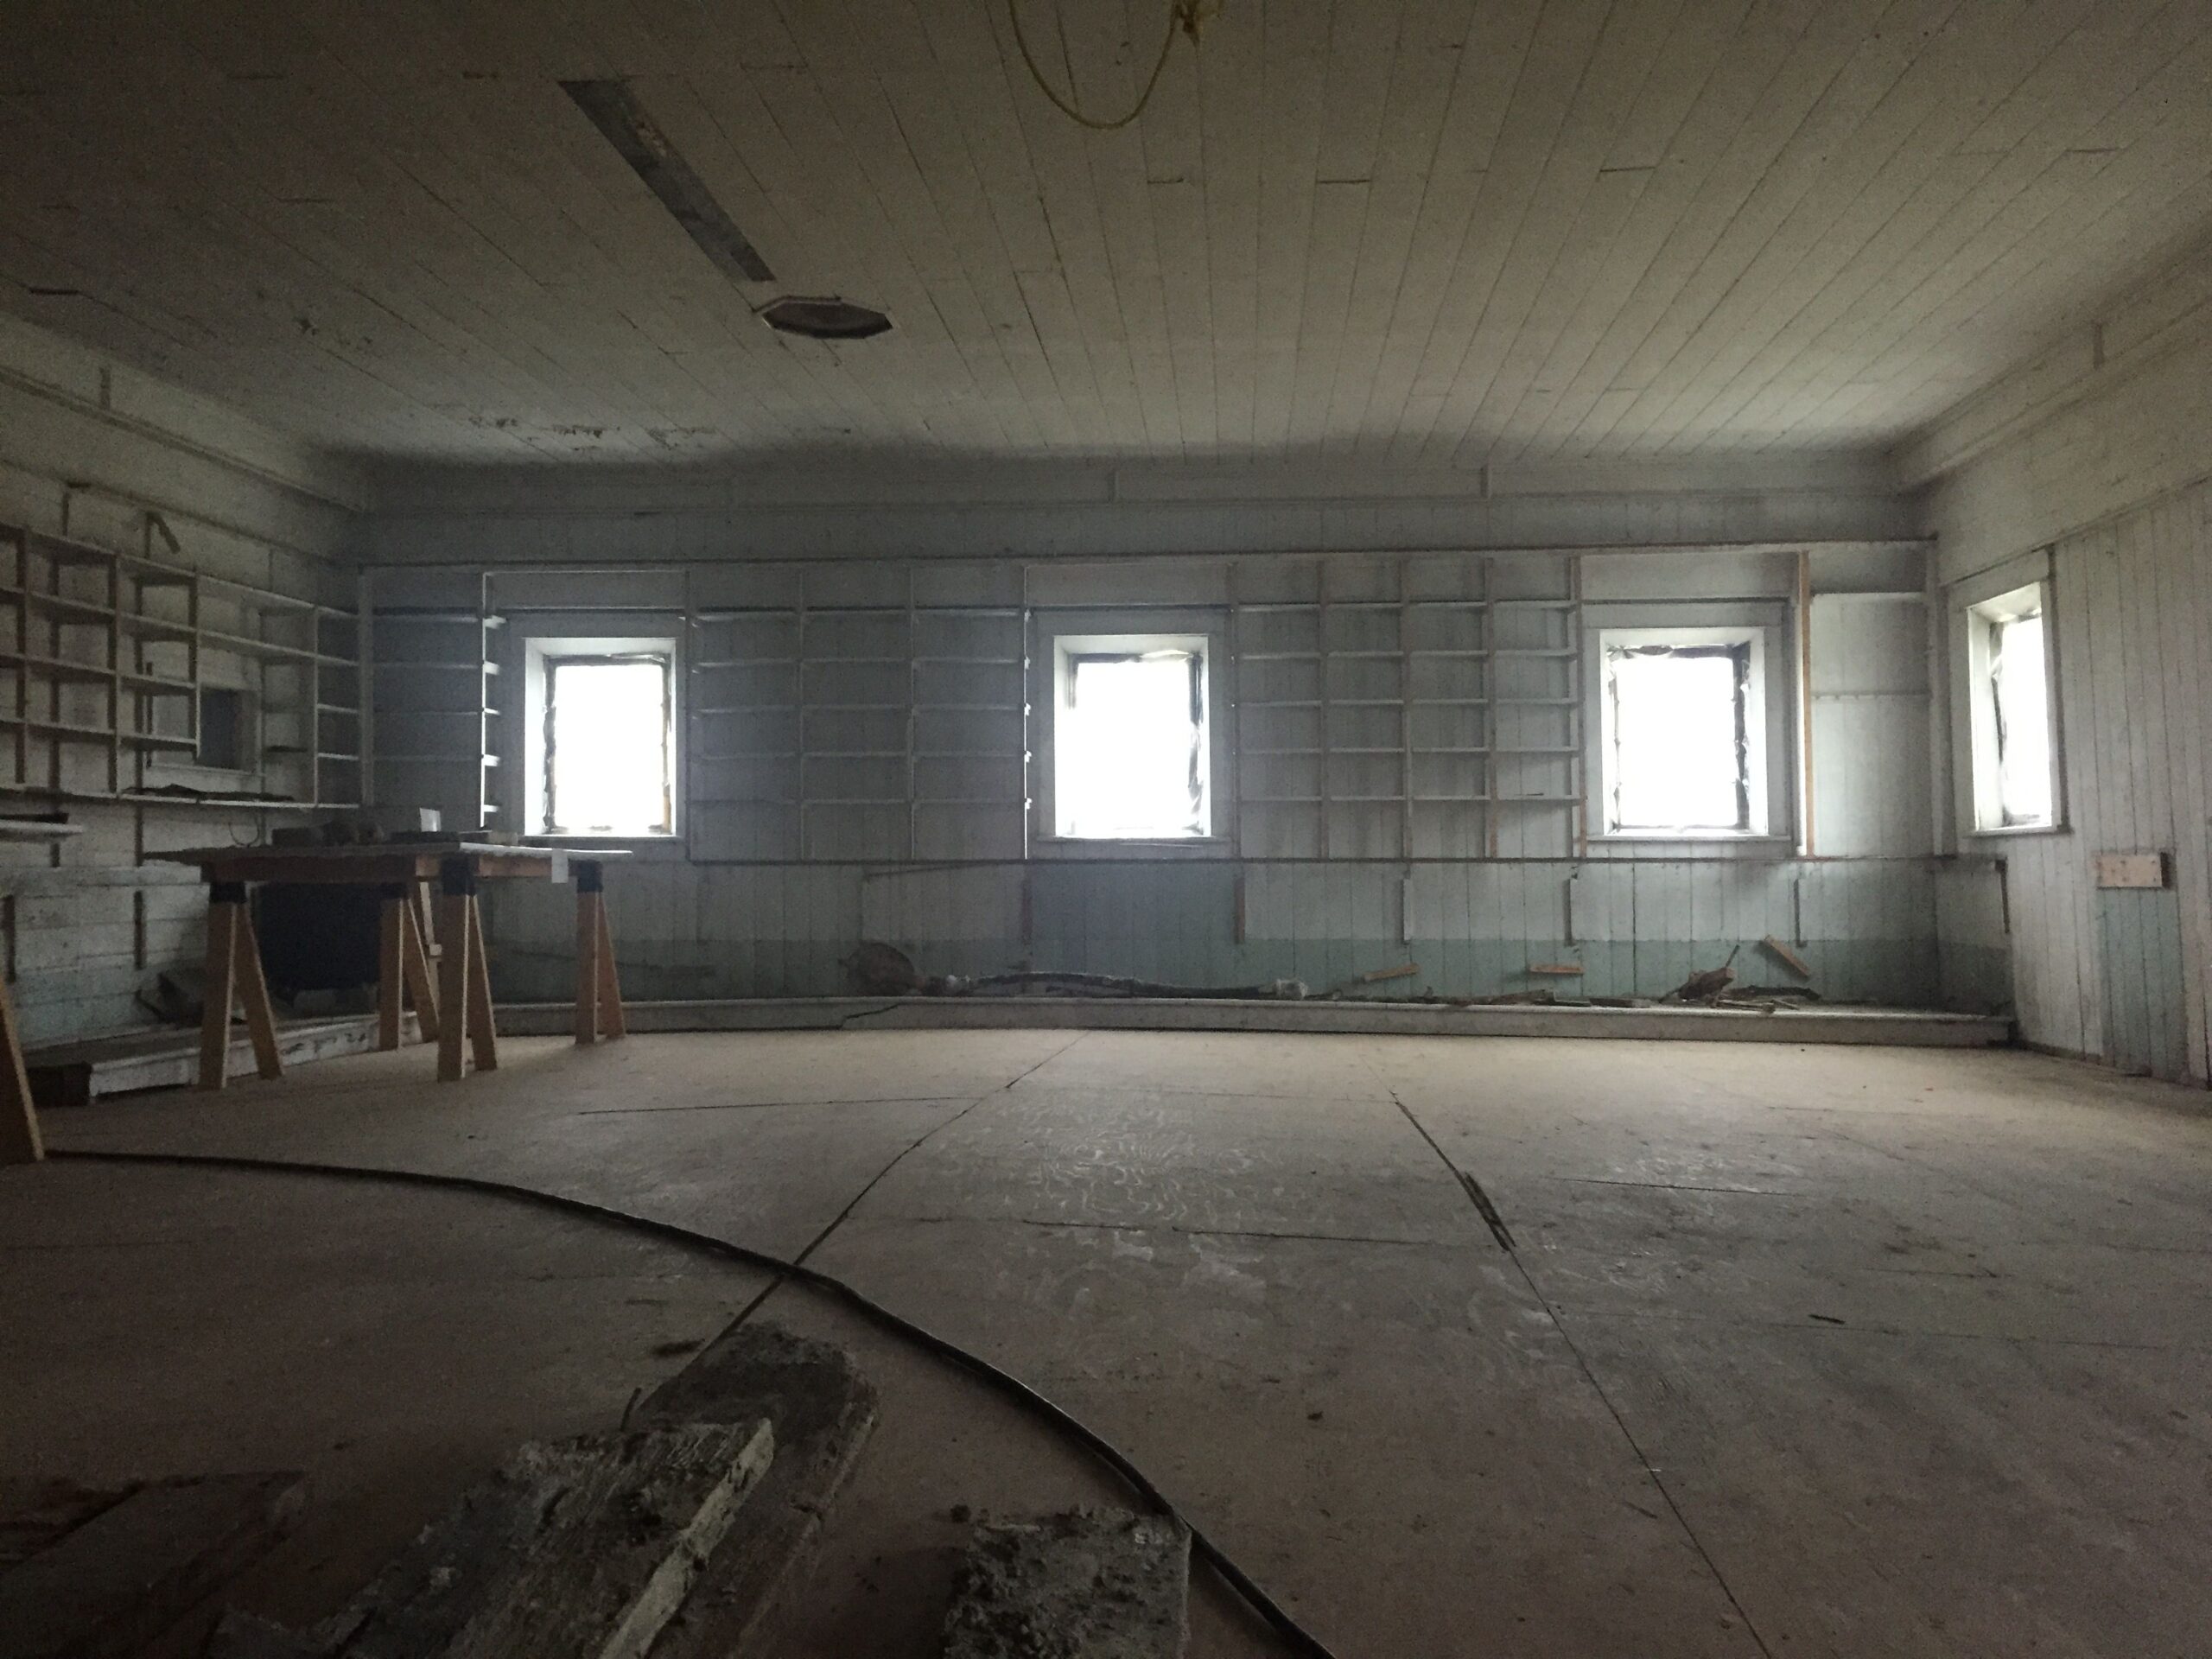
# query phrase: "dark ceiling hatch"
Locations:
[[614, 109], [829, 319]]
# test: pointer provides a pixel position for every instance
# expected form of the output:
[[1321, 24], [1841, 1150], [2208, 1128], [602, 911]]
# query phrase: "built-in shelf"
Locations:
[[66, 718], [1483, 714]]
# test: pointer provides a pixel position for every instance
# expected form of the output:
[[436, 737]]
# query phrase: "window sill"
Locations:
[[1076, 847], [1134, 841], [1700, 838], [2013, 829]]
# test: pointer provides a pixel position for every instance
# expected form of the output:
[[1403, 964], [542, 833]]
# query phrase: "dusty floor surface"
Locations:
[[1805, 1353]]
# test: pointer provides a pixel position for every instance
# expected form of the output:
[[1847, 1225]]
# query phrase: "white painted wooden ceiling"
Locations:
[[1409, 231]]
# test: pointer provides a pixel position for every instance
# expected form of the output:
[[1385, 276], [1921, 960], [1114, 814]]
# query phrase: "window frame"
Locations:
[[541, 655], [1769, 784], [1078, 635], [1983, 618]]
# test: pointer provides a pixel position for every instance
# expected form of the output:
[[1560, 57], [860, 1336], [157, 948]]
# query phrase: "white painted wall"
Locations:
[[595, 514], [85, 446], [2100, 451], [764, 898]]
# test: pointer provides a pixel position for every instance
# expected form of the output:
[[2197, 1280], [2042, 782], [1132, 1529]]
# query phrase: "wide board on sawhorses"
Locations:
[[452, 1004], [374, 862]]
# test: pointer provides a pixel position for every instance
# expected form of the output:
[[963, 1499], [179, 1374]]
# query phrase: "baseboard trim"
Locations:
[[1900, 1028]]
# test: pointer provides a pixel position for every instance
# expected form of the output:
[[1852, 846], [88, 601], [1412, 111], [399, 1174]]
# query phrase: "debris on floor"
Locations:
[[878, 970], [875, 969], [823, 1410], [1707, 984], [78, 1073], [573, 1549], [1788, 958], [1375, 977], [99, 1573], [1088, 1584]]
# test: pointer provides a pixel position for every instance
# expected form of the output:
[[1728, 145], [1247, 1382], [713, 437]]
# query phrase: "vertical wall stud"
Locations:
[[913, 701], [1805, 696], [1327, 735]]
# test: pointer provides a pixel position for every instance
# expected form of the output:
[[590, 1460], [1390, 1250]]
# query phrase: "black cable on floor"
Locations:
[[1295, 1637]]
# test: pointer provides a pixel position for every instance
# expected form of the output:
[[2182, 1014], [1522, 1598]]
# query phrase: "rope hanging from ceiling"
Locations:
[[1183, 17]]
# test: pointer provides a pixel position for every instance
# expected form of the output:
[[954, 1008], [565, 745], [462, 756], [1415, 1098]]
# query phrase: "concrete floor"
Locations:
[[1797, 1352]]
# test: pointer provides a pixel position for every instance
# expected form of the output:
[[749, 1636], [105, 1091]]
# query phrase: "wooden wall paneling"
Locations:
[[2186, 618]]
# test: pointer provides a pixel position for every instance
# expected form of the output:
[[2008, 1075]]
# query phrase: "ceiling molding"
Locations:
[[92, 387], [2163, 312], [585, 491]]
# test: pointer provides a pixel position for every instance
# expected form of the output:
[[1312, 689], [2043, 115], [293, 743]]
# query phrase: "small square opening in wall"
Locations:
[[222, 729], [1683, 726], [604, 759], [1131, 760], [2009, 686]]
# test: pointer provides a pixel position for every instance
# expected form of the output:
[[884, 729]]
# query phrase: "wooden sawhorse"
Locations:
[[20, 1141], [453, 1007]]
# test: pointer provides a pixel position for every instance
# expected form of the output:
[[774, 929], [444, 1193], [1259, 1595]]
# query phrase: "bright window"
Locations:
[[2009, 669], [1684, 734], [1129, 737], [605, 756]]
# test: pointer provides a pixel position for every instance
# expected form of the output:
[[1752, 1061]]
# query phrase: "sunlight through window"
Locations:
[[1679, 753], [606, 746], [1130, 743], [2019, 676]]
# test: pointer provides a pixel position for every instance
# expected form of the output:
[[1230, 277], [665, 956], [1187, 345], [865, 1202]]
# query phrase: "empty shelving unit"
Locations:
[[111, 654]]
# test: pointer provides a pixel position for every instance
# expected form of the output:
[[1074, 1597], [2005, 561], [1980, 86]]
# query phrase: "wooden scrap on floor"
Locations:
[[1558, 970], [103, 1574], [1375, 977], [576, 1549], [75, 1074], [1707, 984], [1790, 958]]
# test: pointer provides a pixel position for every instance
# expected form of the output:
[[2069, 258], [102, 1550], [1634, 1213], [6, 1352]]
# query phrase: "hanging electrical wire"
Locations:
[[1183, 17]]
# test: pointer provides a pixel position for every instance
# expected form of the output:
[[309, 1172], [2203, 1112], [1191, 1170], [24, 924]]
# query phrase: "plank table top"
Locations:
[[380, 863]]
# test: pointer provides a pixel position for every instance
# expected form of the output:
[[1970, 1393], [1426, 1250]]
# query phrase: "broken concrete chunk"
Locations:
[[575, 1549], [823, 1410], [1092, 1584]]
